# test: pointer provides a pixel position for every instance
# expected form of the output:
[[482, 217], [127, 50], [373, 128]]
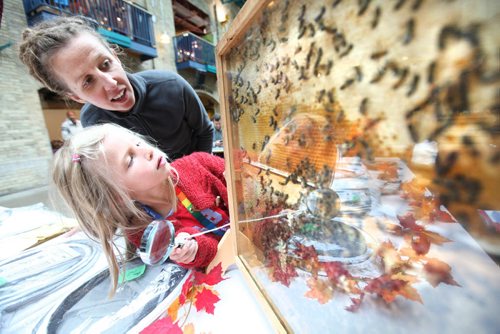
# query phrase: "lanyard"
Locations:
[[155, 214], [197, 214]]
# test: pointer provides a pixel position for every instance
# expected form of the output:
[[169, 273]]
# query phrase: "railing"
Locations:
[[115, 15], [189, 47]]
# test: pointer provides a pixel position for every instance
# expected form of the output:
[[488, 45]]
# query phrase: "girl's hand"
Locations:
[[185, 249]]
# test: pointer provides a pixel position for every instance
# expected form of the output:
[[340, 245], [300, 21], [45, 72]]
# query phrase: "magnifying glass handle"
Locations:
[[180, 243]]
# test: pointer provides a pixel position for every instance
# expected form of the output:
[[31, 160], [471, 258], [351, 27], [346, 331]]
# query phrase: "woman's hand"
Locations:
[[185, 249]]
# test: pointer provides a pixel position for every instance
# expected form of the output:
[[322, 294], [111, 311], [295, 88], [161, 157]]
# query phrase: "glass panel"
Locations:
[[366, 162]]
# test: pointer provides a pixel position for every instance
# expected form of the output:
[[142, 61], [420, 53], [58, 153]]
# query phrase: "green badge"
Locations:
[[2, 281], [132, 274]]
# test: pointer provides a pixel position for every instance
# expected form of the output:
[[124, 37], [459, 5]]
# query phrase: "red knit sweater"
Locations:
[[201, 179]]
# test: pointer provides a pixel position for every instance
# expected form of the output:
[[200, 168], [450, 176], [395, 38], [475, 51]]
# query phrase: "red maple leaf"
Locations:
[[420, 234], [163, 325], [334, 270], [437, 272], [205, 300], [309, 257], [356, 303], [280, 274], [442, 216], [188, 284], [388, 287], [211, 278], [420, 243], [408, 221]]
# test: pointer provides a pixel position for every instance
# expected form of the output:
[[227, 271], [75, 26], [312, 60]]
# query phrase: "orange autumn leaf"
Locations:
[[205, 300], [437, 272], [390, 257], [173, 309], [414, 190], [388, 170], [188, 329], [408, 291], [319, 290], [429, 209]]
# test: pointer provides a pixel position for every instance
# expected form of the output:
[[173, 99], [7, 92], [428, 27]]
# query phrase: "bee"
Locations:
[[376, 17], [378, 54], [318, 60], [302, 30], [347, 83], [310, 54], [271, 121], [321, 94], [443, 167], [380, 74], [363, 6], [331, 98], [278, 91], [359, 73], [302, 12], [431, 72], [335, 3], [347, 51], [329, 67], [363, 106], [303, 75], [402, 78], [275, 111], [302, 140], [319, 18], [264, 143], [298, 49], [410, 31], [399, 4], [413, 133], [413, 85], [416, 5], [311, 29]]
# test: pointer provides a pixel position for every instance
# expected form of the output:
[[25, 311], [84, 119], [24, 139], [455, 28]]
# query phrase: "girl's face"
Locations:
[[93, 74], [141, 167]]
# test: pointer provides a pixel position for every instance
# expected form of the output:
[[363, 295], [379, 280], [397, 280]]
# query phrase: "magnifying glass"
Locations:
[[158, 241]]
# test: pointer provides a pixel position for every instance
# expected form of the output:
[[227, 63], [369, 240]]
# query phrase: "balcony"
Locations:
[[194, 52], [119, 22]]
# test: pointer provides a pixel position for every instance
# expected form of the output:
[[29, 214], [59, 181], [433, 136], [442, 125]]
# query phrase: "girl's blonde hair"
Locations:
[[44, 40], [99, 201]]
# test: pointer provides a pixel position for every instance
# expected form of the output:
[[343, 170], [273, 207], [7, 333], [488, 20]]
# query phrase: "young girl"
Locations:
[[69, 57], [113, 179]]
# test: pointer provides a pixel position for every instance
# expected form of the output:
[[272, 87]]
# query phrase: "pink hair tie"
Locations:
[[75, 157]]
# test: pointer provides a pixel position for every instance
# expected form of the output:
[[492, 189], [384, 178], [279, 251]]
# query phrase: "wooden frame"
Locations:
[[407, 90], [230, 38]]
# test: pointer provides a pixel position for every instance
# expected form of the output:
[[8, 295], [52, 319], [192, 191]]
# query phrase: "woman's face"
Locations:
[[93, 74]]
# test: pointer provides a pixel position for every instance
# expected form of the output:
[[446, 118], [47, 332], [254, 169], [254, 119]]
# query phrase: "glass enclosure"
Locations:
[[364, 157]]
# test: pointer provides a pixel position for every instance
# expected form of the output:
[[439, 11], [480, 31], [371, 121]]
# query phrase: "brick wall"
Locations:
[[25, 152]]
